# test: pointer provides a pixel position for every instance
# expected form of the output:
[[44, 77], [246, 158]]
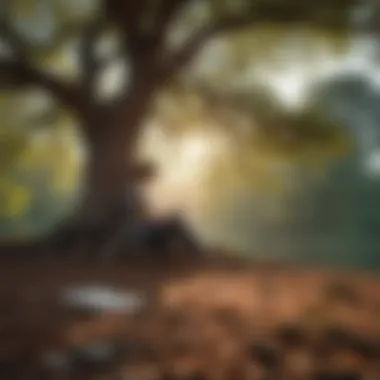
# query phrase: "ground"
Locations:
[[213, 319]]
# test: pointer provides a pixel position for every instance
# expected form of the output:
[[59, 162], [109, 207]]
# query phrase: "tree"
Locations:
[[142, 30]]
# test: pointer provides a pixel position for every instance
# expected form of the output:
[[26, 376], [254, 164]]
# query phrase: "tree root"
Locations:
[[159, 239]]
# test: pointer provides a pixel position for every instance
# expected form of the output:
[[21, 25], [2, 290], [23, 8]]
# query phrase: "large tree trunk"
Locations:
[[109, 201], [110, 196], [109, 170], [112, 170]]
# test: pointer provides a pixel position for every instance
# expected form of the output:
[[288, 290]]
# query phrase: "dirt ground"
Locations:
[[206, 320]]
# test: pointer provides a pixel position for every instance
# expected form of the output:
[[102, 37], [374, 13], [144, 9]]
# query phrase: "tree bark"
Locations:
[[112, 169], [108, 171]]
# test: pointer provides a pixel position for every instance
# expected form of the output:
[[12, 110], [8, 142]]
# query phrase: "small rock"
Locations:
[[98, 298]]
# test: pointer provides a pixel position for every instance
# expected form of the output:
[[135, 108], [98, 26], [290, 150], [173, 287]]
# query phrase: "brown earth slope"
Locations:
[[214, 320]]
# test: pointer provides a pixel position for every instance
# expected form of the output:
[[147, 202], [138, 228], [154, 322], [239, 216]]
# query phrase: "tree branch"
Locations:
[[15, 43], [143, 43], [88, 62], [18, 72], [127, 15], [326, 14], [166, 14]]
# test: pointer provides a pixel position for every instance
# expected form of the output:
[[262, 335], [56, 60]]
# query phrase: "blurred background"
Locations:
[[269, 142]]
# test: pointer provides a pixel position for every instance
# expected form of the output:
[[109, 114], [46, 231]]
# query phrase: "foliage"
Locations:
[[70, 48], [264, 138], [27, 154], [15, 199]]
